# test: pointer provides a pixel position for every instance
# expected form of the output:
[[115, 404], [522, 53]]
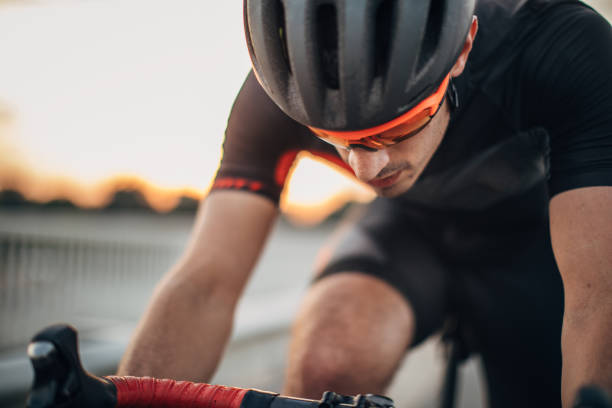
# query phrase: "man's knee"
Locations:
[[322, 367], [351, 332]]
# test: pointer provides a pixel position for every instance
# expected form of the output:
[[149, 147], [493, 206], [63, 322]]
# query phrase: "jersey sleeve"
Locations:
[[261, 145], [567, 88]]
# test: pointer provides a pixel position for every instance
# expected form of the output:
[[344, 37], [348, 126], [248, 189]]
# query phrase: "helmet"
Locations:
[[353, 64]]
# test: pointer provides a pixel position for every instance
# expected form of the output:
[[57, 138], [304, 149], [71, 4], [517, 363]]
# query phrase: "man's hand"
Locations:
[[581, 230]]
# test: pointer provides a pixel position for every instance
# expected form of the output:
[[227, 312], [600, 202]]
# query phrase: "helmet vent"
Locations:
[[327, 39], [382, 43], [282, 32], [431, 38]]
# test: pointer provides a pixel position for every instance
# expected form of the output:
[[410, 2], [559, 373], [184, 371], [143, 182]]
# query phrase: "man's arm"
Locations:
[[189, 319], [581, 229]]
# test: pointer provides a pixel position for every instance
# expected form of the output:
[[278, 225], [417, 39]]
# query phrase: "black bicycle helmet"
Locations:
[[353, 64]]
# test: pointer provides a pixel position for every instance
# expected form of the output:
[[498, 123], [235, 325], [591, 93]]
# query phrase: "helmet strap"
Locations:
[[452, 95]]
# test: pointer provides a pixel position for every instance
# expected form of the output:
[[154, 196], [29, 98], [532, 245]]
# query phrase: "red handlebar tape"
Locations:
[[154, 393]]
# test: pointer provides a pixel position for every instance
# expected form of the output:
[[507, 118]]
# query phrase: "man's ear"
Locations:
[[467, 47]]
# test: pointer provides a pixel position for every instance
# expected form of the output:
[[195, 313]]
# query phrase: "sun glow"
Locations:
[[304, 206], [317, 189], [130, 94]]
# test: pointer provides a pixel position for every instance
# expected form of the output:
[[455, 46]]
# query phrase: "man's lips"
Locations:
[[385, 181]]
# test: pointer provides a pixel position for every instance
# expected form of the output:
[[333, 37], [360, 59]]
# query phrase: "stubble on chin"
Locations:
[[405, 183]]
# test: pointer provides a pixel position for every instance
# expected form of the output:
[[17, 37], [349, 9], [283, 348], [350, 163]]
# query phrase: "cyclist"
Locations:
[[485, 127]]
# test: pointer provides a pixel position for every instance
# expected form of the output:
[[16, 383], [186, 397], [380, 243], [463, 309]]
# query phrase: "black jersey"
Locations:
[[535, 103]]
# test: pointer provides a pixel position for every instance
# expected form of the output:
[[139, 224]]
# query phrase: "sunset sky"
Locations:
[[91, 89], [98, 88]]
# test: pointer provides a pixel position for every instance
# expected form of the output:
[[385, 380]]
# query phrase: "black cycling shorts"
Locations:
[[492, 270]]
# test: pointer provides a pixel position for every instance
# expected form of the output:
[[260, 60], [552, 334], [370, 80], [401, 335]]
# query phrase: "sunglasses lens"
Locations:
[[403, 129], [380, 141]]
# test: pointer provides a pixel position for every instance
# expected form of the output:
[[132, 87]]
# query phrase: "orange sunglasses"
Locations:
[[392, 132]]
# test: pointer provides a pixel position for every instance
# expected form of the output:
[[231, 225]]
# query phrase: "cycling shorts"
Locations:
[[493, 271]]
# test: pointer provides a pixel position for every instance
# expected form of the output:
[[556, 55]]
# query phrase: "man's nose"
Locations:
[[367, 164]]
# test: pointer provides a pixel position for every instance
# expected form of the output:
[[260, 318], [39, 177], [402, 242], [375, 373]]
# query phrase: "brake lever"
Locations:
[[59, 378], [332, 400]]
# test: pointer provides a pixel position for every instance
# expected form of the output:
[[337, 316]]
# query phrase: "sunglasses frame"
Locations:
[[373, 139]]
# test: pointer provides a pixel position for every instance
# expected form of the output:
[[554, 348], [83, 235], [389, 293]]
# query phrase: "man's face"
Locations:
[[394, 170]]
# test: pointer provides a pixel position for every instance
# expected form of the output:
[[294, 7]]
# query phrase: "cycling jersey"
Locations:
[[535, 64]]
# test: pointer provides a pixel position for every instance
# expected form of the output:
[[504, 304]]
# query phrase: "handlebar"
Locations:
[[61, 381]]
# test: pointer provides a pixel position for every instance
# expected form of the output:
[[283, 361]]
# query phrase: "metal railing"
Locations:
[[45, 279]]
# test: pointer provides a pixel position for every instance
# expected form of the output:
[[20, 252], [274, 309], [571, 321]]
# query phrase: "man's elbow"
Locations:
[[204, 282]]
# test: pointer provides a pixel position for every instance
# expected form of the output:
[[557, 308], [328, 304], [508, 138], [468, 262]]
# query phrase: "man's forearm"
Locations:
[[581, 234], [587, 353], [182, 334]]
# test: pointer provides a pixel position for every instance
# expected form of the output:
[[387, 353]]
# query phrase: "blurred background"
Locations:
[[112, 116]]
